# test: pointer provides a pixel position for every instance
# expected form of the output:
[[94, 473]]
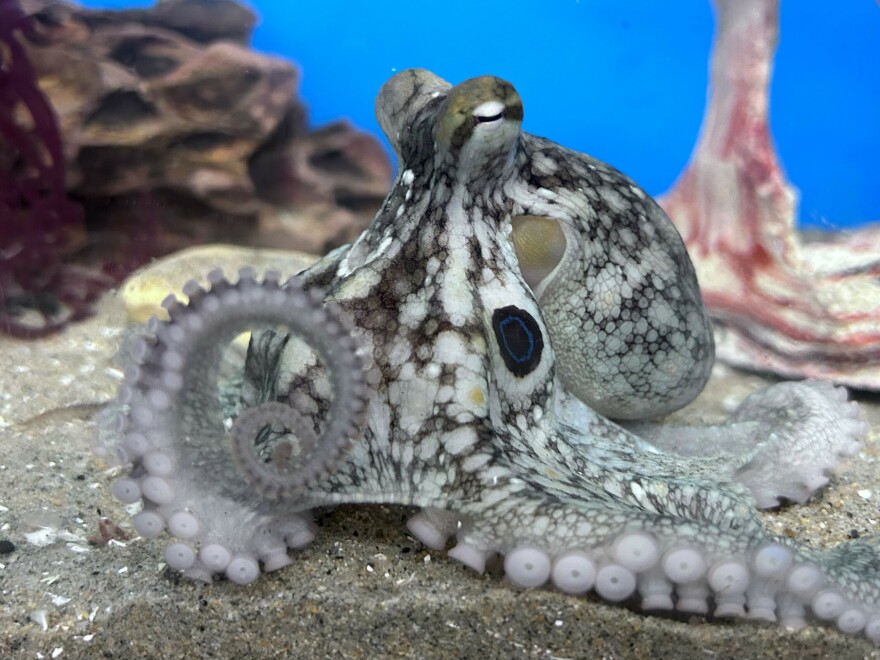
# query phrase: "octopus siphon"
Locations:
[[466, 356]]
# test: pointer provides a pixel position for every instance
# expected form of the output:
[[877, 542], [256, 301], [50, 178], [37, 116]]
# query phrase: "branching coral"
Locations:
[[777, 303]]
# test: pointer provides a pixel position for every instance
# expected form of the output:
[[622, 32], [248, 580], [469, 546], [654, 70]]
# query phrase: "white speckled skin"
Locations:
[[488, 398]]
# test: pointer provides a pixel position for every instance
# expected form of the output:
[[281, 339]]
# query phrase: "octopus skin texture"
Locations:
[[465, 356]]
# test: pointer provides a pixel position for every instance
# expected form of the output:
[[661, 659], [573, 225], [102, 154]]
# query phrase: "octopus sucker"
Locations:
[[493, 351]]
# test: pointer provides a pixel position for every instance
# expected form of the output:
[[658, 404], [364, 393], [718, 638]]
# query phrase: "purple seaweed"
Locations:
[[39, 223]]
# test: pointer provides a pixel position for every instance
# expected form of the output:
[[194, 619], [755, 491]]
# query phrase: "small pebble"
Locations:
[[6, 547], [41, 618]]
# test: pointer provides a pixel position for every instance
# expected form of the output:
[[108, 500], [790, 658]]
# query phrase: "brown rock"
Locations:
[[336, 164], [143, 107], [168, 119], [329, 184]]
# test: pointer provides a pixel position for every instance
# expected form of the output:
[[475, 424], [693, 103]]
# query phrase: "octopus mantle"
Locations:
[[466, 355]]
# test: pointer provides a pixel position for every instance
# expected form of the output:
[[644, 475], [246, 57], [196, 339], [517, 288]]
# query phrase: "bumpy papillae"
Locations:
[[194, 476], [798, 309]]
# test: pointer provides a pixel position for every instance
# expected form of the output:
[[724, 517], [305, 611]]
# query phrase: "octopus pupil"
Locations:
[[485, 120], [519, 337]]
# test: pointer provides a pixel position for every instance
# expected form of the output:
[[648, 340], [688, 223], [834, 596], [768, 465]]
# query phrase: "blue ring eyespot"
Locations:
[[519, 339]]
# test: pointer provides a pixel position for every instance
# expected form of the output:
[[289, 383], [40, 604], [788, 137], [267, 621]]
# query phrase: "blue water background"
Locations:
[[624, 80]]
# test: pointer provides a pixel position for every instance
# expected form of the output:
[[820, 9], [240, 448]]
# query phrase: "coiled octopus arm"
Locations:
[[464, 356]]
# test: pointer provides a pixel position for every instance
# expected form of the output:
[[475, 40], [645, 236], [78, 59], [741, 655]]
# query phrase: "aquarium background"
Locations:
[[624, 81]]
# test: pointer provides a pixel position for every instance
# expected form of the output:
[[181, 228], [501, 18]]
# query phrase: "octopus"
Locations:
[[493, 351]]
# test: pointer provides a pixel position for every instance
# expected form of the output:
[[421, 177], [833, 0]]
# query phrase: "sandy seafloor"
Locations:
[[362, 589]]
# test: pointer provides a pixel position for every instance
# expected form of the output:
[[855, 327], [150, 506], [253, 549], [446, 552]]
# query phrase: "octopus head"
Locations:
[[479, 116], [476, 120]]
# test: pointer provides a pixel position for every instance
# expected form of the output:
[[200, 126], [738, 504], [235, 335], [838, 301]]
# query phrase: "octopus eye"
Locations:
[[519, 339], [489, 112]]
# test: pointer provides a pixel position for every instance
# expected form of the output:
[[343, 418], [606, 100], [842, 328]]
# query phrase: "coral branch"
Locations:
[[777, 304]]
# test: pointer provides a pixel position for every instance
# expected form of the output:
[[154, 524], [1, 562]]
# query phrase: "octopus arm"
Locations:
[[782, 442]]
